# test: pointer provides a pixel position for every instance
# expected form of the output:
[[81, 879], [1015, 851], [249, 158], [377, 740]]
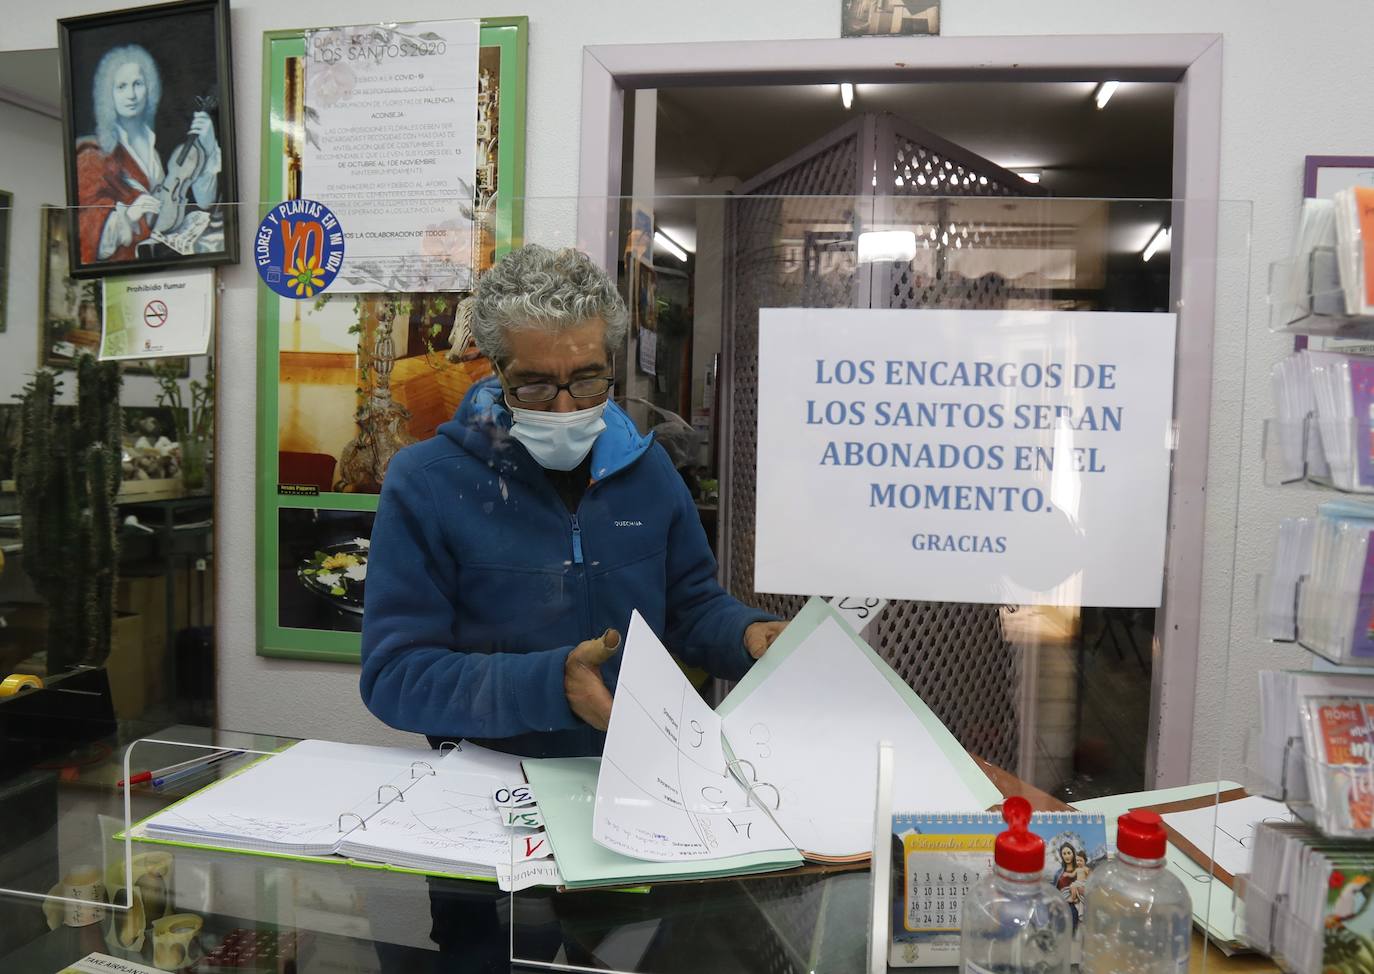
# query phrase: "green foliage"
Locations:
[[199, 423], [68, 474]]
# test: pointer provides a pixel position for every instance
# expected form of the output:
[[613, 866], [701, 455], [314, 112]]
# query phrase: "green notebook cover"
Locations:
[[566, 790], [803, 625]]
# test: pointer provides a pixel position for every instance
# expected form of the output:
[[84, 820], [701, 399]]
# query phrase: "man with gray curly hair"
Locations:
[[509, 550]]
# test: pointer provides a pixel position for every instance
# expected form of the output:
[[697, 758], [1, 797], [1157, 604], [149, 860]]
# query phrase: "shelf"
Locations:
[[1286, 610], [1315, 303], [1320, 453]]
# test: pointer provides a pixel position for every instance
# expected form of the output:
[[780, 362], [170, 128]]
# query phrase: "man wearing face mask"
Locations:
[[509, 550]]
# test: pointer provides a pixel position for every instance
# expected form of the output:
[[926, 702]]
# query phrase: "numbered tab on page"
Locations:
[[522, 818], [513, 796], [526, 847]]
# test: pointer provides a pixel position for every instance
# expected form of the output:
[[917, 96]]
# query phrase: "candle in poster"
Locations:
[[393, 150]]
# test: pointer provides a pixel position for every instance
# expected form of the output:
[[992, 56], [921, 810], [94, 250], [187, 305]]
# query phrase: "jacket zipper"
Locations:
[[576, 541]]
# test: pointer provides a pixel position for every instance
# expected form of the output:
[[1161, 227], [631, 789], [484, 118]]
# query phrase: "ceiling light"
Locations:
[[847, 94], [1029, 175], [1160, 239], [879, 245], [1104, 93], [663, 241]]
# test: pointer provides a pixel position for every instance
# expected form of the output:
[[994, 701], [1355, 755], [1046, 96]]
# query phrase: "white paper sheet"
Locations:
[[391, 149], [293, 801], [446, 818], [665, 793], [1230, 825], [809, 735]]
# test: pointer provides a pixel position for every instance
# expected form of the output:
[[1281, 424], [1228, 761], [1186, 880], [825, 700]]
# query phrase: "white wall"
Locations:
[[29, 142], [1293, 85]]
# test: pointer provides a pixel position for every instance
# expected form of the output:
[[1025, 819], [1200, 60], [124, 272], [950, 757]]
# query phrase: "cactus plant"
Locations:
[[68, 474]]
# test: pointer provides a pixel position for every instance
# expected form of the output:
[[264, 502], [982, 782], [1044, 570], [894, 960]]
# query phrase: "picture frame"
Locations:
[[6, 209], [889, 18], [69, 308], [1324, 175], [148, 138], [311, 507]]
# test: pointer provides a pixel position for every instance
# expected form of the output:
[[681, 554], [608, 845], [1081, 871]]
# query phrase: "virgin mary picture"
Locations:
[[150, 133]]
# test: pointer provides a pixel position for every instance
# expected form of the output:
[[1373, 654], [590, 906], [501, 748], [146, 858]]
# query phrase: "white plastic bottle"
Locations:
[[1013, 921], [1138, 916]]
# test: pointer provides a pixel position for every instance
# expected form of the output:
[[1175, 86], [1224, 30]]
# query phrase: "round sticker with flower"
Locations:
[[299, 248]]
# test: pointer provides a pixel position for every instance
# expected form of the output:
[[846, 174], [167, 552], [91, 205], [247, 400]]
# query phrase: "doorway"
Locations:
[[965, 80]]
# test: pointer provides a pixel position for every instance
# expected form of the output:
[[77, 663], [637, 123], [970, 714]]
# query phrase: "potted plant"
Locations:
[[196, 426]]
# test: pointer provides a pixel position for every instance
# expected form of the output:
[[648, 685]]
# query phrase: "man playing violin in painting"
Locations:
[[120, 177]]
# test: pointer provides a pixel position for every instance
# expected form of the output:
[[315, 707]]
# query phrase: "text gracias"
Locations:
[[968, 415]]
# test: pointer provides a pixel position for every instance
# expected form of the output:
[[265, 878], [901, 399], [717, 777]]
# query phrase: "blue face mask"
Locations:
[[558, 441]]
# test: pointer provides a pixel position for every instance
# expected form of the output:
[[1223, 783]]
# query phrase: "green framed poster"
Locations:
[[345, 380]]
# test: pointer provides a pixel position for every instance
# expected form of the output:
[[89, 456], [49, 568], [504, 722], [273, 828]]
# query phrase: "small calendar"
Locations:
[[943, 856]]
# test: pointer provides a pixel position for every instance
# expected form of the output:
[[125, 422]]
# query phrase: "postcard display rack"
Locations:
[[1312, 749]]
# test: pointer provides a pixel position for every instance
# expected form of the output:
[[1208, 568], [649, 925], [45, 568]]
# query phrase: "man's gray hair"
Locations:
[[535, 287], [102, 91]]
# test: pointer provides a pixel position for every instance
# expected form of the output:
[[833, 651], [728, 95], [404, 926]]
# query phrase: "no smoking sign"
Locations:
[[155, 313]]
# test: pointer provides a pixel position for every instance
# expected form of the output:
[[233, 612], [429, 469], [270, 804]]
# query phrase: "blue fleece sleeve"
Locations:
[[705, 624], [415, 674]]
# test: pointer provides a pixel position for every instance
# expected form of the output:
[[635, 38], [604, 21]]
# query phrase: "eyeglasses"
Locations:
[[537, 392]]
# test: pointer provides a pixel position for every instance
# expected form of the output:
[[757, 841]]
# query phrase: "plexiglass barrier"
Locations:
[[956, 444]]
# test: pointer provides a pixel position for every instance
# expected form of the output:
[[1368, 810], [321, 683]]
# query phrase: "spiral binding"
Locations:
[[990, 818]]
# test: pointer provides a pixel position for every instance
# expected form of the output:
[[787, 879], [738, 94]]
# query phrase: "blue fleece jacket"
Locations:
[[480, 583]]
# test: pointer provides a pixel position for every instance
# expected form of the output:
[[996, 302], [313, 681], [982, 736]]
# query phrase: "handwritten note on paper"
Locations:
[[446, 816], [665, 792], [820, 764], [857, 612]]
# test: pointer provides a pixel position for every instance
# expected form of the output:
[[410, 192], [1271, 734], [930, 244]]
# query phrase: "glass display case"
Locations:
[[960, 443]]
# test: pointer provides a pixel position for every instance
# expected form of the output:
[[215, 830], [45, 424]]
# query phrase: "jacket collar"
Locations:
[[482, 423]]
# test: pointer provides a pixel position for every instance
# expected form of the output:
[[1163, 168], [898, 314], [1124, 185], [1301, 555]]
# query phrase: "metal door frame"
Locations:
[[1192, 62]]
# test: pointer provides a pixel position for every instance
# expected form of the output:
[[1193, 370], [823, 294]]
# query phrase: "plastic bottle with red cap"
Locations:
[[1013, 921], [1138, 916]]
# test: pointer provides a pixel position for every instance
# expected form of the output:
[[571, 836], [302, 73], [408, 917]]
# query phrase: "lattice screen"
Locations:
[[800, 253]]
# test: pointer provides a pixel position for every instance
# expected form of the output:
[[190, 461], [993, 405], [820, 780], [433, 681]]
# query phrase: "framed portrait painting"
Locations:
[[148, 131]]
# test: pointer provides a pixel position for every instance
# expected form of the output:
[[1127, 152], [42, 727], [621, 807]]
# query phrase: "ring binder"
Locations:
[[362, 822], [447, 746], [429, 768], [400, 795]]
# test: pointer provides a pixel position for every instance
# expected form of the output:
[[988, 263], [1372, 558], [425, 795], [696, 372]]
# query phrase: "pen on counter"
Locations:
[[190, 771], [146, 776]]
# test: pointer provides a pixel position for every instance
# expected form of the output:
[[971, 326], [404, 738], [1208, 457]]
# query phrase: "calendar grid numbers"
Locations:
[[944, 856]]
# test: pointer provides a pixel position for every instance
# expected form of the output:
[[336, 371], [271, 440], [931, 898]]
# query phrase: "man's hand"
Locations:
[[582, 684], [760, 635]]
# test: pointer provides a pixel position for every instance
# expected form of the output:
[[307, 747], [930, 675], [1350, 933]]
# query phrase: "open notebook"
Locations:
[[785, 770], [414, 809]]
